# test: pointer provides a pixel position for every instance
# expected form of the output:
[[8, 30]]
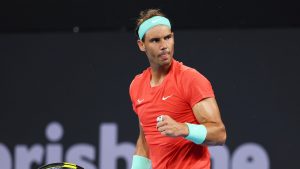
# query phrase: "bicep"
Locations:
[[208, 114], [207, 111]]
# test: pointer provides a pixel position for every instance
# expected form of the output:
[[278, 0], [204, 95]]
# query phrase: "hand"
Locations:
[[169, 127]]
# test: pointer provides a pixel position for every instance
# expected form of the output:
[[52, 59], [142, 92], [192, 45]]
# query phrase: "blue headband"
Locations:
[[149, 23]]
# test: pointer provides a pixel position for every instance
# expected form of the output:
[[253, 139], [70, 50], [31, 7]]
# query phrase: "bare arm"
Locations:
[[141, 145], [206, 113]]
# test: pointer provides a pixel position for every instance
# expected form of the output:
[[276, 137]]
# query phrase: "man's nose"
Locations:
[[163, 45]]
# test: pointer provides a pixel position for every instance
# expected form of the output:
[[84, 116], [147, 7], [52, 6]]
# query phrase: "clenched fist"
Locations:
[[169, 127]]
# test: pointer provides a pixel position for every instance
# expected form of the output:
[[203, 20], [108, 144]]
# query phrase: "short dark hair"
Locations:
[[144, 15]]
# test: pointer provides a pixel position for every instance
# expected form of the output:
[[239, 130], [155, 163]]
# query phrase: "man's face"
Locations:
[[158, 45]]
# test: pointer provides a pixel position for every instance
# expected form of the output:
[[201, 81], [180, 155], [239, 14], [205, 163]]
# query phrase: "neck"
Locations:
[[158, 74]]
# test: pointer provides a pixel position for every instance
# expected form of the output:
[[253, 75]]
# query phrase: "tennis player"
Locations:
[[175, 104]]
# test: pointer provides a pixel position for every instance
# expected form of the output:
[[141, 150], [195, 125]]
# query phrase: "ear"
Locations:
[[141, 45]]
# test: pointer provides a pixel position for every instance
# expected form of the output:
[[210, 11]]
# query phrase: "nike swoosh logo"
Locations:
[[165, 98], [140, 101], [155, 20]]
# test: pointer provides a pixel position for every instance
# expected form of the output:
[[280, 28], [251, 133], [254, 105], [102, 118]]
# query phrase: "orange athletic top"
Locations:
[[181, 89]]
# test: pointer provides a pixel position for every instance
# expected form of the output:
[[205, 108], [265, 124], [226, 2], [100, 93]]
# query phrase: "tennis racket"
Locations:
[[63, 165]]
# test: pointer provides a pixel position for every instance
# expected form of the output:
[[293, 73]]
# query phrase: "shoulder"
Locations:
[[138, 80], [192, 73], [187, 73]]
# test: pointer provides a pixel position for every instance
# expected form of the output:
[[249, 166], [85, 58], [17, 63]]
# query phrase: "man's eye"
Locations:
[[168, 37]]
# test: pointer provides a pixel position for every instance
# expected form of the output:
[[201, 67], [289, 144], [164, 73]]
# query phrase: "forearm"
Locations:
[[207, 133], [141, 158], [216, 134], [207, 113], [142, 147]]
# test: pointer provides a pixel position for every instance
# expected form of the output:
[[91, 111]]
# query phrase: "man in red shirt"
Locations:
[[175, 104]]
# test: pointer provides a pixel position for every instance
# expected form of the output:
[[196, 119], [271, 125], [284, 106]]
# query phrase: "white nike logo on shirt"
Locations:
[[140, 101], [165, 98]]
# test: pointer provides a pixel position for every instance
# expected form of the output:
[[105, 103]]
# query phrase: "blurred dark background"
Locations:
[[69, 64], [93, 15]]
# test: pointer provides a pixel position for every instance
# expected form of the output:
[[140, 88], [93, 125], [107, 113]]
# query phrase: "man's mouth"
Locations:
[[164, 54]]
